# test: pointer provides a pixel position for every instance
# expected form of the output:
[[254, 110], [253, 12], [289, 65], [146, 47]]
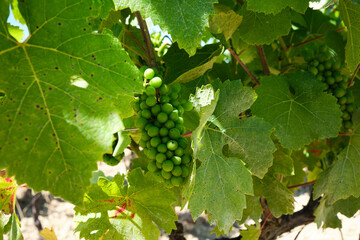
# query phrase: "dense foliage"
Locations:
[[230, 106]]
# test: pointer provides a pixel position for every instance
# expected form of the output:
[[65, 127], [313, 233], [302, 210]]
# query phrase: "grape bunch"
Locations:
[[159, 116], [326, 70]]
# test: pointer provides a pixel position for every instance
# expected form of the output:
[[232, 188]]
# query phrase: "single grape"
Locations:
[[177, 171], [156, 82], [146, 113], [164, 99], [343, 107], [169, 124], [343, 85], [323, 48], [143, 97], [315, 63], [187, 106], [164, 89], [176, 87], [176, 160], [165, 139], [338, 78], [155, 110], [167, 108], [164, 132], [176, 181], [172, 145], [346, 116], [185, 171], [143, 105], [339, 92], [181, 110], [175, 102], [180, 120], [166, 175], [151, 101], [142, 143], [328, 73], [330, 80], [186, 158], [144, 136], [162, 148], [348, 124], [150, 91], [155, 141], [183, 142], [169, 154], [349, 98], [153, 131], [314, 70], [174, 133], [160, 157], [158, 165], [174, 95], [157, 124], [162, 117], [328, 65], [168, 183], [174, 115], [147, 126], [149, 73], [179, 151], [152, 166], [140, 122], [350, 107], [342, 100], [152, 153], [337, 66], [168, 165], [321, 68]]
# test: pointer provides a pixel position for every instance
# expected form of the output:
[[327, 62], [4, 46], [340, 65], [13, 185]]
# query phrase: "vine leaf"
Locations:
[[276, 6], [258, 28], [184, 20], [64, 86], [143, 196], [350, 13], [341, 180], [298, 109], [7, 195]]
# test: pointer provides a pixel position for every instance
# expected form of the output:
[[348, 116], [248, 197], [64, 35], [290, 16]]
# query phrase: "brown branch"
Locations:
[[303, 184], [243, 65], [263, 60], [149, 47], [353, 77], [317, 38], [188, 134]]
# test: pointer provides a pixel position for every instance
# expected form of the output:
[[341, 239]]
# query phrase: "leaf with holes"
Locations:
[[298, 108], [63, 87]]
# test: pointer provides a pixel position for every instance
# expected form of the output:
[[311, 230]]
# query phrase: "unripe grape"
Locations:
[[168, 183], [143, 105], [167, 108], [330, 80], [180, 120], [321, 68], [174, 115], [350, 107], [150, 91], [164, 89], [346, 116], [152, 153], [169, 124], [179, 151], [166, 175], [349, 98], [155, 141], [337, 66], [328, 74], [162, 148], [174, 133], [348, 124], [339, 92], [343, 107], [168, 165], [176, 181], [313, 70], [343, 85], [315, 63], [177, 171], [146, 113], [175, 102], [164, 99], [157, 124], [185, 171], [152, 166], [149, 73], [174, 95], [164, 132], [136, 106], [148, 144], [176, 87], [187, 106], [169, 154], [144, 136], [172, 145], [338, 78], [328, 65], [165, 139], [155, 110], [156, 82], [142, 143], [143, 97], [147, 126], [140, 122], [151, 101], [320, 78], [183, 142], [162, 117], [158, 165], [160, 157], [176, 160], [185, 159], [153, 131]]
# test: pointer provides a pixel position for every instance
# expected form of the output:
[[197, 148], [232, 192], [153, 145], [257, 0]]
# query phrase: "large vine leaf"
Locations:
[[341, 180], [184, 20], [298, 108], [66, 88], [276, 6], [182, 68], [143, 196], [350, 14], [258, 28]]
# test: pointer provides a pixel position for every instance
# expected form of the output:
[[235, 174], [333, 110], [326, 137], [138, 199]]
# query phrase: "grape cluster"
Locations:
[[160, 119], [321, 65]]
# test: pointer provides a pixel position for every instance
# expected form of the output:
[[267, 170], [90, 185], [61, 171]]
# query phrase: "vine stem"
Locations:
[[317, 38], [303, 184], [243, 65], [265, 220], [264, 62], [353, 77], [146, 36], [188, 134]]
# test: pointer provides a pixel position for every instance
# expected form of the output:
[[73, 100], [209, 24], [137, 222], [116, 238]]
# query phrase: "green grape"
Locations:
[[166, 175], [157, 124], [338, 78], [162, 117], [328, 74], [186, 158], [150, 91], [176, 160], [162, 148], [140, 122], [174, 133], [174, 95], [169, 154], [179, 151], [142, 143], [160, 157], [152, 153], [348, 124], [168, 183], [158, 176], [164, 132], [180, 120], [313, 70], [315, 63], [187, 106], [183, 142], [158, 165], [152, 166], [174, 115], [172, 145], [155, 110], [169, 124], [165, 139], [147, 126], [110, 160], [155, 141], [167, 108], [349, 98], [351, 107], [156, 82], [177, 181], [328, 65], [330, 80], [153, 131], [185, 171], [164, 89], [182, 101], [326, 86], [343, 85], [136, 106], [337, 66], [151, 101], [146, 113], [343, 107], [176, 87], [181, 110], [177, 171], [168, 165], [143, 97], [149, 73], [143, 105], [144, 136], [346, 116], [148, 144], [164, 99], [339, 92], [321, 68], [175, 102]]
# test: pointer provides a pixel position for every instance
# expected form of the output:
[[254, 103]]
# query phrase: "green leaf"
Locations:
[[143, 195], [253, 209], [184, 20], [279, 199], [298, 108], [15, 231], [252, 232], [350, 14], [181, 68], [258, 28], [7, 194], [325, 215], [5, 220], [282, 162], [341, 180], [241, 134], [277, 6], [224, 21], [63, 88]]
